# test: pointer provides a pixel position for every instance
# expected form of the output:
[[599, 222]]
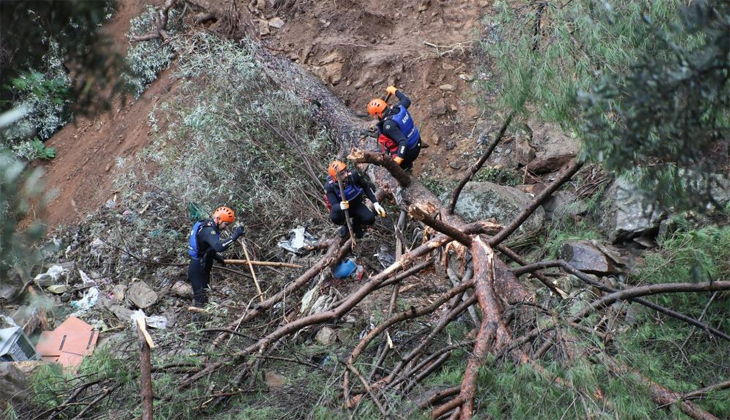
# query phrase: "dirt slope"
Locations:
[[87, 149], [358, 47]]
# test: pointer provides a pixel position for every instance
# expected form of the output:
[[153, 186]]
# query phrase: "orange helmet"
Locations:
[[335, 167], [376, 106], [223, 214]]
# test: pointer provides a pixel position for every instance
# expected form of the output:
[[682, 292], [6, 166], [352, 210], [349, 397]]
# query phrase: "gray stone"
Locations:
[[524, 152], [264, 27], [141, 295], [627, 214], [119, 291], [484, 200], [182, 290], [553, 148], [276, 22], [10, 289], [563, 204], [57, 289], [447, 88], [586, 257], [326, 336], [455, 164], [14, 381], [121, 312]]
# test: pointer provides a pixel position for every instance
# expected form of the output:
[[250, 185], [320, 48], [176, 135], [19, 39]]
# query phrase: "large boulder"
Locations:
[[484, 200], [627, 214], [553, 148]]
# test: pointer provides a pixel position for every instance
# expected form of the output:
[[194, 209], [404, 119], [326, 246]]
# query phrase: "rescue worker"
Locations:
[[399, 137], [354, 187], [204, 246]]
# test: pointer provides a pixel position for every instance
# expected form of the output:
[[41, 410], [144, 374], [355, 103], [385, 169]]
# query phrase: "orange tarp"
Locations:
[[69, 343]]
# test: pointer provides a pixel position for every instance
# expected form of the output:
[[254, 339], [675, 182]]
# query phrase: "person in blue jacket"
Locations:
[[204, 246], [354, 188], [398, 135]]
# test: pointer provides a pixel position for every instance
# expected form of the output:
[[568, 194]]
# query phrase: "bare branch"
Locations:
[[482, 160]]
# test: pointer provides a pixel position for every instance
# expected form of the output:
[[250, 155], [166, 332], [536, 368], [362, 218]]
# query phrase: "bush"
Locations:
[[146, 59], [45, 97]]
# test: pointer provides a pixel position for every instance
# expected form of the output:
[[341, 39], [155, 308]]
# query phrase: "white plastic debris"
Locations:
[[87, 301], [297, 239], [156, 321]]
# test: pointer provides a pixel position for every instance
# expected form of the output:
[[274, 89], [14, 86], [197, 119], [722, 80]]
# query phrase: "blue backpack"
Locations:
[[193, 241]]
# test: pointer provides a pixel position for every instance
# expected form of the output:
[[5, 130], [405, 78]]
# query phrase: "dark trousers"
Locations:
[[359, 212], [199, 275], [410, 156]]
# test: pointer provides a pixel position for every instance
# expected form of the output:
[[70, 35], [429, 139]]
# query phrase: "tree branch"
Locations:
[[509, 229], [361, 156]]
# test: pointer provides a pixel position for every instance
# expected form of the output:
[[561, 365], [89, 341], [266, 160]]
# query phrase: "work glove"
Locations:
[[218, 257], [237, 233], [379, 209], [391, 90], [344, 205], [398, 160]]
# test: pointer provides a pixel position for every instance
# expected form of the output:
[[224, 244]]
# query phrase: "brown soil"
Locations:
[[360, 47], [87, 150], [357, 47]]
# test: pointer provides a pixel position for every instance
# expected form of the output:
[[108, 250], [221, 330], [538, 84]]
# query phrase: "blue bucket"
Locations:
[[344, 269]]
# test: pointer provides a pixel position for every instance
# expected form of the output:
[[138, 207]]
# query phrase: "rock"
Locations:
[[326, 336], [450, 145], [586, 257], [276, 22], [532, 189], [119, 291], [628, 214], [483, 200], [263, 27], [447, 66], [455, 164], [553, 148], [563, 204], [141, 295], [10, 289], [52, 276], [466, 77], [447, 88], [524, 152], [274, 380], [182, 290], [436, 139], [330, 68], [121, 312], [424, 5], [57, 289], [645, 242], [14, 381]]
